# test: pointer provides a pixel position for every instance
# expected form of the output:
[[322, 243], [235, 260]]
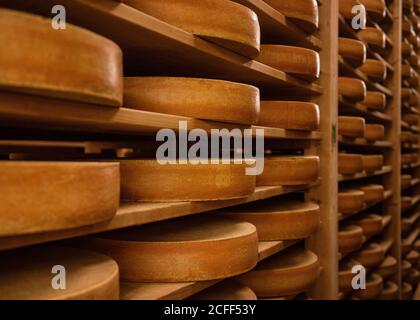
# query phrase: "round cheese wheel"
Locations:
[[374, 69], [414, 60], [414, 40], [224, 22], [350, 163], [388, 267], [27, 274], [413, 277], [375, 8], [346, 8], [47, 196], [147, 180], [413, 257], [373, 37], [352, 89], [371, 224], [197, 98], [345, 276], [407, 291], [406, 49], [303, 12], [353, 51], [187, 249], [292, 115], [406, 71], [372, 163], [351, 201], [410, 118], [414, 80], [406, 203], [414, 99], [352, 127], [405, 268], [73, 64], [374, 286], [226, 290], [374, 193], [350, 238], [375, 100], [289, 170], [405, 181], [407, 26], [374, 132], [389, 292], [285, 274], [300, 62], [406, 137], [370, 256], [279, 220], [405, 94]]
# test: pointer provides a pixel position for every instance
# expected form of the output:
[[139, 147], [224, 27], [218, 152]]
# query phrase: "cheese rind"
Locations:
[[374, 193], [374, 286], [373, 36], [374, 100], [371, 256], [353, 51], [371, 224], [352, 127], [351, 201], [374, 69], [350, 163], [388, 267], [350, 238], [372, 163], [374, 132], [352, 89], [375, 8]]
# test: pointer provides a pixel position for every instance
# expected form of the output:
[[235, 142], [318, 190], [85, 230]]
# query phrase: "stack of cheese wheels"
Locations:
[[294, 115], [351, 127], [147, 180], [179, 250], [374, 193], [374, 69], [370, 256], [405, 268], [346, 8], [350, 163], [375, 8], [407, 291], [289, 170], [91, 72], [226, 290], [373, 36], [405, 181], [279, 220], [350, 238], [301, 62], [406, 203], [285, 274], [352, 89], [414, 60], [374, 286], [224, 22], [410, 118], [353, 51], [372, 163], [375, 101], [351, 201], [27, 274], [191, 97], [388, 267], [48, 196], [374, 132], [372, 224], [302, 12], [389, 292]]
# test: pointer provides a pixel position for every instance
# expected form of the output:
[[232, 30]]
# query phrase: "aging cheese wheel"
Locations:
[[406, 49], [197, 98], [388, 267], [351, 201], [414, 98], [47, 196], [279, 220], [405, 181], [371, 256], [414, 80], [285, 274], [406, 137], [294, 115], [406, 159], [289, 170], [352, 89], [374, 69], [224, 22], [414, 60], [371, 224], [406, 71], [374, 286], [350, 163], [405, 94], [375, 8], [374, 132], [345, 277], [187, 249], [410, 118], [374, 193], [413, 277], [303, 12], [406, 203], [352, 127], [147, 180], [372, 163], [389, 292], [300, 62], [346, 8], [373, 37], [375, 100], [407, 26], [350, 238], [73, 64], [353, 51], [413, 257], [414, 40], [26, 274], [407, 291], [405, 268], [226, 290]]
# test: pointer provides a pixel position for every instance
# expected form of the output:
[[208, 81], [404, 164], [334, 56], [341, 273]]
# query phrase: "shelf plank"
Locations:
[[278, 133], [385, 170], [361, 142], [349, 108]]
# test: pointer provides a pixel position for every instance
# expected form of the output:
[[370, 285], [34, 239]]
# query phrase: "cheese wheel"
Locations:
[[27, 274], [406, 203], [406, 49], [279, 220], [352, 127], [350, 163], [405, 94], [289, 170], [406, 137], [414, 40], [345, 277], [407, 26], [228, 24], [226, 290], [413, 257], [410, 118], [371, 256], [405, 268], [371, 224], [292, 115], [346, 8], [302, 12], [300, 62], [373, 37], [374, 132], [389, 292], [352, 89], [413, 277], [406, 71], [350, 238], [414, 80], [414, 60], [405, 181], [74, 64], [372, 163], [353, 51], [414, 99], [285, 274], [374, 286], [147, 180], [48, 196], [374, 69], [375, 8], [351, 201], [375, 100], [388, 267], [407, 291], [197, 98], [406, 159], [374, 193], [188, 249]]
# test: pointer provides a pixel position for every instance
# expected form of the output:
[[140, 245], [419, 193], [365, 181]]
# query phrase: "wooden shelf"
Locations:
[[385, 170], [413, 183], [349, 108], [360, 142]]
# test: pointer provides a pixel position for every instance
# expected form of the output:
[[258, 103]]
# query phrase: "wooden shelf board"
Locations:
[[411, 166], [385, 170], [412, 237], [278, 133], [349, 108], [361, 142]]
